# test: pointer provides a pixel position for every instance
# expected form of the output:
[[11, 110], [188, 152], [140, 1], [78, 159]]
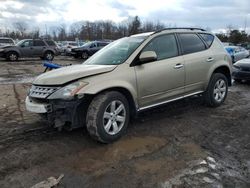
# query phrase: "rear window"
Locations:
[[208, 38], [191, 43], [50, 43]]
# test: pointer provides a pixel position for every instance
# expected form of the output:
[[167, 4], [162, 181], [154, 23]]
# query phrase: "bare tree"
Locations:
[[21, 27], [62, 34]]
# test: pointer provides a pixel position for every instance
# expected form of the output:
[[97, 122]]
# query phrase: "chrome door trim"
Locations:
[[171, 100]]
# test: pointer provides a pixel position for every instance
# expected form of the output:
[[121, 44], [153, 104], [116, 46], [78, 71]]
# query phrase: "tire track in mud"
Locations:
[[9, 139]]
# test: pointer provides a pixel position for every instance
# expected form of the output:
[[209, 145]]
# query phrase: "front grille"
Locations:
[[41, 91]]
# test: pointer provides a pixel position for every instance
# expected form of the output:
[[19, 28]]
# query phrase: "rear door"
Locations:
[[163, 79], [39, 47], [198, 59]]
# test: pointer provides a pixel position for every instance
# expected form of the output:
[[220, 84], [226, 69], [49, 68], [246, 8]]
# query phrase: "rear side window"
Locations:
[[208, 38], [39, 43], [191, 43], [164, 46], [50, 43]]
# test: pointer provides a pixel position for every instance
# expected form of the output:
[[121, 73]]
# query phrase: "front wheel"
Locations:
[[108, 116], [217, 90], [12, 56]]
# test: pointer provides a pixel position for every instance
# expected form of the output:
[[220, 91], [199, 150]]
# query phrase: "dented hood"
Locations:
[[70, 73]]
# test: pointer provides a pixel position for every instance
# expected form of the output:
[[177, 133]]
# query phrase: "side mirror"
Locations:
[[22, 46], [147, 57]]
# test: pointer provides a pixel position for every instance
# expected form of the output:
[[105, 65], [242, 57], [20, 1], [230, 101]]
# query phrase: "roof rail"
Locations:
[[188, 28]]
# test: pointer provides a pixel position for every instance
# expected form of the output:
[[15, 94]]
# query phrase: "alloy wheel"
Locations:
[[220, 90], [114, 117]]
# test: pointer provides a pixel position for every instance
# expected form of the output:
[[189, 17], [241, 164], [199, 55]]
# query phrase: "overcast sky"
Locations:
[[204, 13]]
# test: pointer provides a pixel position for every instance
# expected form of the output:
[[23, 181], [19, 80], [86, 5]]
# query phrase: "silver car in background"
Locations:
[[4, 41], [237, 53]]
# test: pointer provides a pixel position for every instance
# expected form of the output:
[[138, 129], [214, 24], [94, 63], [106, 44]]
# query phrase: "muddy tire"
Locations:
[[12, 56], [85, 55], [108, 116], [48, 56], [216, 91]]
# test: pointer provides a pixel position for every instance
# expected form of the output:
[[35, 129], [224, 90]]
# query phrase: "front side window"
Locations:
[[164, 46], [191, 43], [25, 43]]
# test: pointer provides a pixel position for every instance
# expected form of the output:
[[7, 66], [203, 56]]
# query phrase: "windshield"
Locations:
[[20, 43], [86, 44], [116, 52]]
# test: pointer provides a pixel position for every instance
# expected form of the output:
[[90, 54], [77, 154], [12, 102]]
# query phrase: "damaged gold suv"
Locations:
[[130, 75]]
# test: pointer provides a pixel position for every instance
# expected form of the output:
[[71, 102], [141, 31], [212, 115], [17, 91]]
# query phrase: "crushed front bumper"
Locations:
[[59, 113]]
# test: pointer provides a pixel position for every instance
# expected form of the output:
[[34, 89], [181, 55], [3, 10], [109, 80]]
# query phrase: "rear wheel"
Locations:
[[85, 55], [108, 116], [12, 56], [217, 90], [48, 56]]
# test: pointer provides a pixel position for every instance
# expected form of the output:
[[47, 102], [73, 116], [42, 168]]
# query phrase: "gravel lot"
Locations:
[[183, 144]]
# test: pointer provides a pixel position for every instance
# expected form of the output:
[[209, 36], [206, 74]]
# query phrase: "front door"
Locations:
[[161, 80], [26, 48]]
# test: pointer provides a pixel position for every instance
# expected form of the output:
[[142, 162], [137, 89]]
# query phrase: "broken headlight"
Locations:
[[69, 91]]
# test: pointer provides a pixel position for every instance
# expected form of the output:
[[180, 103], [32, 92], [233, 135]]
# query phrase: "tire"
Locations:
[[85, 55], [12, 56], [48, 56], [100, 115], [217, 90]]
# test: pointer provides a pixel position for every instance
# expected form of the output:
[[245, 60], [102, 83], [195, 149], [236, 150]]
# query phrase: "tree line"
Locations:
[[101, 30], [84, 30]]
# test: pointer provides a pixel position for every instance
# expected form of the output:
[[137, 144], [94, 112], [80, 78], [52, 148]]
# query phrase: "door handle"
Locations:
[[178, 66], [210, 59]]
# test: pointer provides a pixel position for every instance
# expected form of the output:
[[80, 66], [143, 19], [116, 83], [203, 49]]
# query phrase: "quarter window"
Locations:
[[164, 46], [191, 43], [207, 38]]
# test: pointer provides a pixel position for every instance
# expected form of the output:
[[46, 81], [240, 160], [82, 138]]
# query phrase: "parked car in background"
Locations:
[[241, 70], [67, 46], [88, 49], [130, 75], [45, 49], [4, 41], [237, 53]]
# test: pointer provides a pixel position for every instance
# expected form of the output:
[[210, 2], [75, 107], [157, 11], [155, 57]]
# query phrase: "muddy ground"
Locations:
[[183, 144]]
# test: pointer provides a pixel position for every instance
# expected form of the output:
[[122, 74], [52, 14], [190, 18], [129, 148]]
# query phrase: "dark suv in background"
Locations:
[[45, 49], [88, 49]]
